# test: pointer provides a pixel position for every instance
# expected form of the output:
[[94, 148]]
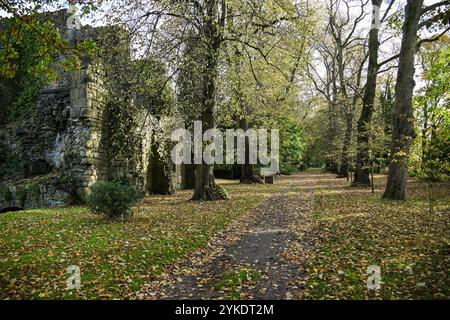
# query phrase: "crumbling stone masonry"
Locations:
[[58, 151]]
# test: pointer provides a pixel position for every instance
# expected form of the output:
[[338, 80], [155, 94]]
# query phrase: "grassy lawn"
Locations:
[[116, 259], [341, 232], [351, 229]]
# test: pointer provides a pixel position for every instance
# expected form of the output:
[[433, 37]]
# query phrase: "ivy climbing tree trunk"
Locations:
[[205, 185], [403, 117], [363, 148]]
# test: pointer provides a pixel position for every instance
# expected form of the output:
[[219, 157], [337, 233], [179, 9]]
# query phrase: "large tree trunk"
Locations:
[[342, 173], [403, 118], [205, 185], [362, 154], [331, 165], [188, 176]]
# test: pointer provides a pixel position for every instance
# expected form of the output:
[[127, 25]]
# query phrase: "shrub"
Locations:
[[112, 199], [288, 169]]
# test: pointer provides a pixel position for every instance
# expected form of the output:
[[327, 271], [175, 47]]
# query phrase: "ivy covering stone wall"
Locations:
[[72, 138]]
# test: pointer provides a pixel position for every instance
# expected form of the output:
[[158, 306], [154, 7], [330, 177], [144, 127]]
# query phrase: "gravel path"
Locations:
[[257, 248]]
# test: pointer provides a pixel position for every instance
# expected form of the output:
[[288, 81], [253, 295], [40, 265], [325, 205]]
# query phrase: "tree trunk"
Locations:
[[345, 167], [188, 176], [362, 154], [424, 136], [332, 167], [403, 118], [205, 187], [248, 174]]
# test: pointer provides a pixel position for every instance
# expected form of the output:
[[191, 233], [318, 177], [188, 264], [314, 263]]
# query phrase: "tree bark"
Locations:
[[205, 187], [188, 177], [403, 117], [342, 173], [247, 169], [362, 153], [248, 174], [332, 165]]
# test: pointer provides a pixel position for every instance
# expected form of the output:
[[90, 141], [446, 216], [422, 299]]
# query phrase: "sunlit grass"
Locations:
[[353, 229], [115, 258]]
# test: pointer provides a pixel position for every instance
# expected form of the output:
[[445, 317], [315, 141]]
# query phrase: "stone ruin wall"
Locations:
[[63, 152]]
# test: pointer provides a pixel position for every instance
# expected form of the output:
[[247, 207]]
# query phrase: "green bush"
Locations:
[[288, 169], [112, 199], [217, 193]]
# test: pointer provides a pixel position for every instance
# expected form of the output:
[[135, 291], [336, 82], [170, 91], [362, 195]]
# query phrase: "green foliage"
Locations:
[[26, 22], [22, 195], [11, 162], [217, 192], [292, 145], [288, 169], [34, 190], [153, 87], [112, 199], [380, 129], [189, 81], [143, 81], [6, 194], [317, 144], [430, 158], [118, 139], [31, 44], [24, 51]]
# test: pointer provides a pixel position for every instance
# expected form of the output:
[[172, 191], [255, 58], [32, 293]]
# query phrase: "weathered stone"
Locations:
[[65, 134]]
